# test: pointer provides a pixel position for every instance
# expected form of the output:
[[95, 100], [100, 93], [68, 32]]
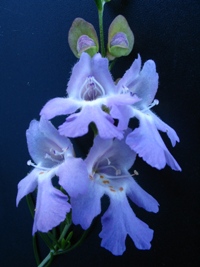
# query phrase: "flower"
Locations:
[[108, 162], [145, 140], [91, 94], [53, 155]]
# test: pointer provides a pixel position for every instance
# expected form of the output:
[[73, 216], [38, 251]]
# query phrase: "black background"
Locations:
[[35, 65]]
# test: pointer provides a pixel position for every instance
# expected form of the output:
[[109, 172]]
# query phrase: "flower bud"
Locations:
[[82, 37], [120, 38]]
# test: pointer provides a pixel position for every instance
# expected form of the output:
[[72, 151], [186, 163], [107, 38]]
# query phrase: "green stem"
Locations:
[[52, 252], [80, 240], [30, 203], [66, 228], [46, 239], [47, 259], [94, 128], [35, 250], [100, 15], [112, 64]]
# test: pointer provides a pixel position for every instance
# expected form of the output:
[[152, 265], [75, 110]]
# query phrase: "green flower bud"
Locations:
[[120, 38], [82, 37]]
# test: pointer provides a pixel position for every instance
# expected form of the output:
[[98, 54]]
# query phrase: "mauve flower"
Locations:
[[108, 163], [145, 140], [53, 155], [91, 94]]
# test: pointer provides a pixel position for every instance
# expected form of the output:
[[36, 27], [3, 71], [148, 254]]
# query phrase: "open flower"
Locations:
[[53, 155], [145, 140], [108, 162], [91, 94]]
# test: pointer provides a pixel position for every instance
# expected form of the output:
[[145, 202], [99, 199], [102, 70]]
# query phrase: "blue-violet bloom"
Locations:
[[53, 155], [108, 163], [145, 140], [91, 94]]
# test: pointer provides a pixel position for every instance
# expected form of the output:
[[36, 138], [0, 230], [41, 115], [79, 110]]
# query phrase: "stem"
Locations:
[[100, 15], [112, 64], [47, 259], [46, 240], [94, 128], [31, 204], [35, 249], [66, 228], [80, 240]]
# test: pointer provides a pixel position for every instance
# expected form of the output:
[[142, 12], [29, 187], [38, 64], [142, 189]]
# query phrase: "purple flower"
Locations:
[[91, 94], [145, 140], [108, 162], [53, 155]]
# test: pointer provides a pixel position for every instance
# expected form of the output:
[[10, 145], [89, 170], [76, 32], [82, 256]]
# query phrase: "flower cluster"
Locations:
[[94, 97], [69, 189]]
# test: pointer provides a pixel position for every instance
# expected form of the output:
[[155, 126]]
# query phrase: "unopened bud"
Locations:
[[82, 37], [120, 38]]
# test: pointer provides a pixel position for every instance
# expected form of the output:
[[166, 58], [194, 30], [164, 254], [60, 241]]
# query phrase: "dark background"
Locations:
[[35, 65]]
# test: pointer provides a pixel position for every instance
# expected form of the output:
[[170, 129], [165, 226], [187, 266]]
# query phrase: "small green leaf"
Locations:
[[69, 236], [62, 243]]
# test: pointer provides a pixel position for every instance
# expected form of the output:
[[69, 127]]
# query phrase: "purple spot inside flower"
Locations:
[[84, 42]]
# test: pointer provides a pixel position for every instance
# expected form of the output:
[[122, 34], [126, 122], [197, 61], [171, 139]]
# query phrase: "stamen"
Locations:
[[56, 153], [135, 173], [91, 89], [117, 171], [154, 103], [122, 176], [91, 177], [56, 156], [99, 169], [47, 156], [112, 190], [30, 163], [109, 162], [124, 89]]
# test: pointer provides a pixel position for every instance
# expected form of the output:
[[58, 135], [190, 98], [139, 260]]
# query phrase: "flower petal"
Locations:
[[123, 114], [27, 185], [99, 148], [51, 133], [88, 206], [147, 142], [165, 128], [140, 197], [81, 70], [77, 124], [143, 83], [146, 85], [118, 221], [59, 106], [42, 139], [51, 207], [128, 80], [100, 70], [73, 176], [121, 100], [120, 156]]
